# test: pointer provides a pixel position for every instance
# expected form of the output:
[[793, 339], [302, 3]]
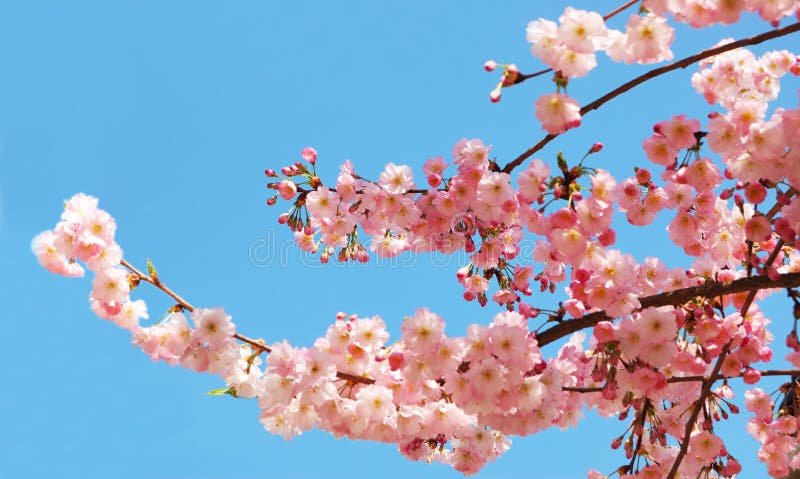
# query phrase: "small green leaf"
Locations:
[[562, 162], [151, 270], [222, 392]]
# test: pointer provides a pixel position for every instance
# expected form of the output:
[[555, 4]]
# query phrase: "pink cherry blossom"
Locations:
[[558, 113]]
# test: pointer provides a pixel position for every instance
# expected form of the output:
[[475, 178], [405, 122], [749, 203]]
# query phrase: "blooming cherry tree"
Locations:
[[654, 346]]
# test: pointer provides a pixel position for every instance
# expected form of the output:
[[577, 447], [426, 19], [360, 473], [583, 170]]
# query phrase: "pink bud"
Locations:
[[287, 189], [434, 180], [604, 331], [751, 376], [608, 237], [732, 468], [609, 392], [643, 176], [773, 274], [469, 296], [792, 342], [490, 65], [494, 96], [270, 173], [271, 201], [469, 246], [283, 218], [596, 147], [396, 360], [309, 154], [112, 308]]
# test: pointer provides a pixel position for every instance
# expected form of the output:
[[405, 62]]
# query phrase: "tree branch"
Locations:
[[689, 379], [673, 298], [754, 40]]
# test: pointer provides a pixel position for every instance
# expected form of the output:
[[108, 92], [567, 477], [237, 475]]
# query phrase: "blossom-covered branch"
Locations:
[[656, 72], [711, 289]]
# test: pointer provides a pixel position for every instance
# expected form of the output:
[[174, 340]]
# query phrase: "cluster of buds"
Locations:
[[510, 77]]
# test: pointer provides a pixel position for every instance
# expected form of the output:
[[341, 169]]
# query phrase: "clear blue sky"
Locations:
[[169, 112]]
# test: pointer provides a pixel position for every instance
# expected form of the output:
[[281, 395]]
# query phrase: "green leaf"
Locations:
[[151, 270], [222, 392], [562, 162]]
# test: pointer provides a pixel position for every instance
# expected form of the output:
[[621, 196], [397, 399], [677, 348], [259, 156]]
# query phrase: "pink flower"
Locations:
[[705, 446], [111, 286], [679, 131], [423, 331], [51, 259], [213, 327], [322, 203], [389, 246], [759, 403], [287, 189], [703, 175], [471, 154], [396, 179], [646, 40], [531, 182], [558, 113], [581, 31], [374, 403], [758, 228], [309, 154]]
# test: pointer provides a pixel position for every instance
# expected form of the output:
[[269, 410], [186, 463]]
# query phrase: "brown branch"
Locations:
[[688, 379], [673, 298], [754, 40], [354, 379], [619, 9], [158, 284]]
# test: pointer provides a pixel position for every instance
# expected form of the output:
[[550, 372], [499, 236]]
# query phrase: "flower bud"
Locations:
[[751, 376], [309, 154], [396, 360]]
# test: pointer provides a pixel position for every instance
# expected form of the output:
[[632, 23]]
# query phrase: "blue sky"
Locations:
[[169, 112]]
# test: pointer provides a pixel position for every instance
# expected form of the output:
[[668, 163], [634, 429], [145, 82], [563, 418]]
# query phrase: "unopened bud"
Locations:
[[396, 360], [490, 65], [309, 154]]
